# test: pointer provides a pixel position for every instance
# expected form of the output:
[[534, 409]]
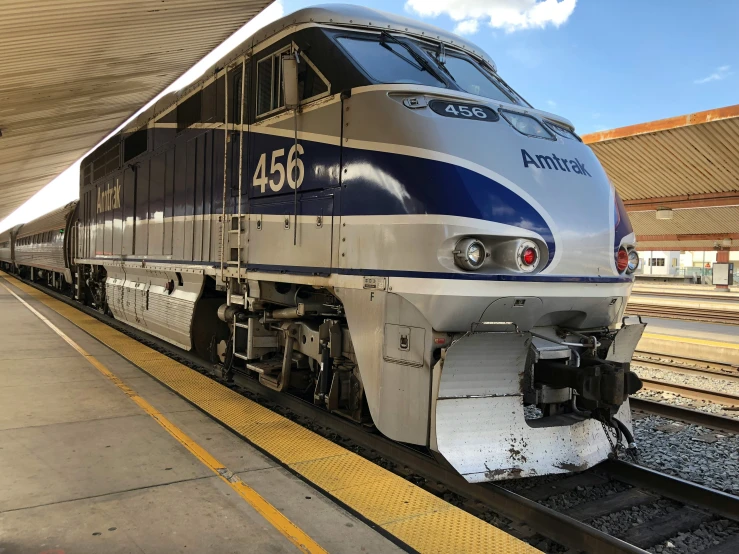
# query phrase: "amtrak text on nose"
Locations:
[[554, 162]]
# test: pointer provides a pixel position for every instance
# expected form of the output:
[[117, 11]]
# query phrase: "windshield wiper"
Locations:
[[420, 60], [505, 85], [441, 62]]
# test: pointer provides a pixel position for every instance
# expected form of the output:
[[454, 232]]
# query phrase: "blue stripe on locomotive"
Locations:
[[382, 183]]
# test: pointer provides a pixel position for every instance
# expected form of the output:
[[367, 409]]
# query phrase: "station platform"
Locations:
[[714, 332], [701, 340], [684, 289], [109, 446], [691, 339]]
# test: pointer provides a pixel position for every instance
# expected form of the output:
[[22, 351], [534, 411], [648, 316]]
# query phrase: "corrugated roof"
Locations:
[[73, 70], [686, 155], [688, 222]]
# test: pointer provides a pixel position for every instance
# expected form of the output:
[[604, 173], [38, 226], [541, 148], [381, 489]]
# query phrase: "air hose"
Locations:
[[627, 434]]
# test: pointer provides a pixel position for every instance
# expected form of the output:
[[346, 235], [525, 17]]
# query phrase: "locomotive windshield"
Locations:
[[389, 59], [472, 78]]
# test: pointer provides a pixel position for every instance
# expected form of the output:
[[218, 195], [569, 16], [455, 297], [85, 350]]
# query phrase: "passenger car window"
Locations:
[[388, 62]]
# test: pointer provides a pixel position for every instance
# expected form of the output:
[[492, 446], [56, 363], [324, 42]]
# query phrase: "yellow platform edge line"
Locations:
[[414, 516], [279, 521], [691, 340]]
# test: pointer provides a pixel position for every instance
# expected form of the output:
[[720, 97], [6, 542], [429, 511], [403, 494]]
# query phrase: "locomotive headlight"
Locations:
[[526, 125], [633, 261], [469, 254]]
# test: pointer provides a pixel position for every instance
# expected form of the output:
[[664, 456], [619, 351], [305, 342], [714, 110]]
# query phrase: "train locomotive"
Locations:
[[355, 207]]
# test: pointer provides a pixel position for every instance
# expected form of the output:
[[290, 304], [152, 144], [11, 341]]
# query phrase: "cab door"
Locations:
[[293, 181]]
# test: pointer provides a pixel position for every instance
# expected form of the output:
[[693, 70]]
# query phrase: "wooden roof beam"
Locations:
[[683, 202]]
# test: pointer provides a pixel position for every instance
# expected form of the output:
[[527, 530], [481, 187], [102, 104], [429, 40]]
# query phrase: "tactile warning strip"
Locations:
[[417, 518]]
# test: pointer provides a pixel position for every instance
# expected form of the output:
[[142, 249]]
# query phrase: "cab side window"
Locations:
[[311, 82], [269, 83]]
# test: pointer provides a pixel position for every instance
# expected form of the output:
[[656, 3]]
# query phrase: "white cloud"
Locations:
[[466, 27], [718, 75], [65, 187], [551, 103], [510, 15]]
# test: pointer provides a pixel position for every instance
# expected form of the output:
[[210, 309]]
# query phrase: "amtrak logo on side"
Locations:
[[555, 163], [110, 198]]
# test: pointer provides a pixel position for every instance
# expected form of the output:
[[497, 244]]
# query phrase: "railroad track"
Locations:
[[694, 393], [686, 415], [692, 368], [526, 513], [677, 312], [689, 366]]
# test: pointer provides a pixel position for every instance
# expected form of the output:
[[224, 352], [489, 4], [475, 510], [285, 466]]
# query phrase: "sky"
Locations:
[[600, 63]]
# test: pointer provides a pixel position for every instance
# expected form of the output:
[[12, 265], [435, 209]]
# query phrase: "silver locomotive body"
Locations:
[[405, 250]]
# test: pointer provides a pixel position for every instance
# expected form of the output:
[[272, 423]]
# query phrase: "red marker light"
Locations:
[[622, 260], [529, 256]]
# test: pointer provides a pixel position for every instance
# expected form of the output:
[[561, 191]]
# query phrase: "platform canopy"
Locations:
[[683, 169], [71, 71]]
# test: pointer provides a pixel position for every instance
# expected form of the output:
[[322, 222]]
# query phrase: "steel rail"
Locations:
[[690, 392], [687, 415], [693, 365], [686, 492], [687, 370]]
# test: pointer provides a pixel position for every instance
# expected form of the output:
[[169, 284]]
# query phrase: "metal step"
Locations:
[[266, 368]]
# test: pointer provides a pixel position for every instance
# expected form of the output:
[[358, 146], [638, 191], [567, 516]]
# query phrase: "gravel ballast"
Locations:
[[569, 499], [618, 523], [690, 452], [706, 536]]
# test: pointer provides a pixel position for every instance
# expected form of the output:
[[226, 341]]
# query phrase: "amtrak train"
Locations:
[[355, 207]]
